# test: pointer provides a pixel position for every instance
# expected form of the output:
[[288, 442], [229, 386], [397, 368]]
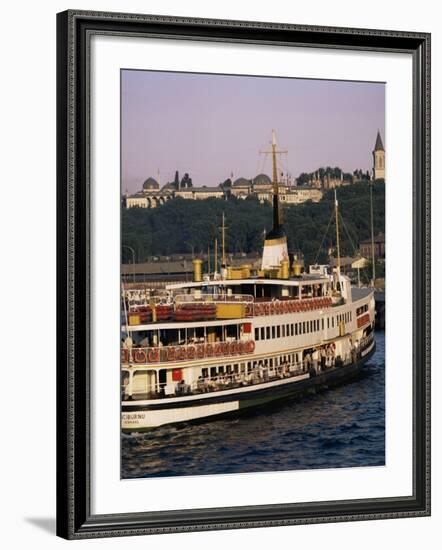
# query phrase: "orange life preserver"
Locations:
[[248, 310], [139, 355], [153, 355], [200, 352], [171, 355], [124, 355], [217, 350], [190, 352], [209, 350], [233, 348], [250, 346], [180, 354]]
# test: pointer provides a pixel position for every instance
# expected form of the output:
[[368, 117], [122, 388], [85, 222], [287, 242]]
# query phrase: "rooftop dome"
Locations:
[[168, 187], [240, 182], [262, 179], [150, 184]]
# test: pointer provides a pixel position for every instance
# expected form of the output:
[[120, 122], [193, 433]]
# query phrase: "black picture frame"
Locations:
[[74, 518]]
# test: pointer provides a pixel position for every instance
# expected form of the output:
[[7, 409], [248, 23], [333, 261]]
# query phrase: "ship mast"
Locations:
[[277, 217], [338, 247], [216, 255], [223, 242], [372, 237], [276, 212]]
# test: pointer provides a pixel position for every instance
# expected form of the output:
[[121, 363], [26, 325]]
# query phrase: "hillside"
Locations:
[[183, 226]]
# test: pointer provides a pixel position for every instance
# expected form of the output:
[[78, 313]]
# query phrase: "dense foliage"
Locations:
[[186, 226]]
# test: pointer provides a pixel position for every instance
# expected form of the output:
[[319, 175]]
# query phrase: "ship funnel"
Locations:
[[197, 270]]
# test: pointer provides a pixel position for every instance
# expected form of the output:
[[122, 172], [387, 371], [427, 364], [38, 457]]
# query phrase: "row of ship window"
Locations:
[[303, 327], [361, 310]]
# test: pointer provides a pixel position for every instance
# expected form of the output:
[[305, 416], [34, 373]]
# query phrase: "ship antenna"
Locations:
[[216, 255], [337, 234]]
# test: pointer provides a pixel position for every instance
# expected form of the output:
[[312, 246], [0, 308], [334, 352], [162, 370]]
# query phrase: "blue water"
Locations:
[[338, 428]]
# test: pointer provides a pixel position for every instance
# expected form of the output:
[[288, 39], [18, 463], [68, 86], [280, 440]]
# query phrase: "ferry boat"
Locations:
[[241, 338]]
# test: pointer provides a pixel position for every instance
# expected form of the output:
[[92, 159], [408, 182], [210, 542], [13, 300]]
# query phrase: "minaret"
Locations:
[[275, 244], [379, 159]]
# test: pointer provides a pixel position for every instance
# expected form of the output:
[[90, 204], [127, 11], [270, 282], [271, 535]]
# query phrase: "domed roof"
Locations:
[[240, 182], [150, 184], [168, 187], [262, 179]]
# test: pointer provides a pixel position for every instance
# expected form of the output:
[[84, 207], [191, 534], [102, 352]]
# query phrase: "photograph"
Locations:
[[253, 253]]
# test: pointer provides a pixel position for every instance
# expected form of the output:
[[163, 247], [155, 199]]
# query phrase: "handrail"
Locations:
[[213, 298], [253, 308], [187, 352], [227, 381]]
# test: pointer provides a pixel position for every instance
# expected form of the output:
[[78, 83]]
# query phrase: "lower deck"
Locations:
[[143, 416], [150, 385]]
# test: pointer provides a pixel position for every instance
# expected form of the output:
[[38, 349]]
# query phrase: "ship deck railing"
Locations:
[[198, 348], [257, 375], [204, 307]]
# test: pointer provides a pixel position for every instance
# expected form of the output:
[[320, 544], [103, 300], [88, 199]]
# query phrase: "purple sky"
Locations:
[[213, 125]]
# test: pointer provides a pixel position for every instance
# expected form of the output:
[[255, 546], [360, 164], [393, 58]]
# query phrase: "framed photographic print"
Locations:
[[243, 274]]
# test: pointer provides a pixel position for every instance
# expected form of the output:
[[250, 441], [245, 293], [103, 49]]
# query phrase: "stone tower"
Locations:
[[379, 159]]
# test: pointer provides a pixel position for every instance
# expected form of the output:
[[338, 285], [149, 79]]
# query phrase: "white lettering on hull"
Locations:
[[367, 350], [153, 418]]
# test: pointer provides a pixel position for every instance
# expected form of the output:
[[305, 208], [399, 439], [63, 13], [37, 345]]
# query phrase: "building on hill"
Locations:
[[379, 159], [379, 247], [151, 195], [326, 180], [200, 193]]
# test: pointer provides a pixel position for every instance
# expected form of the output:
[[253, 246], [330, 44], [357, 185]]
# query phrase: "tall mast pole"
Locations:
[[216, 255], [276, 213], [277, 218], [223, 242], [372, 237], [208, 260], [338, 249]]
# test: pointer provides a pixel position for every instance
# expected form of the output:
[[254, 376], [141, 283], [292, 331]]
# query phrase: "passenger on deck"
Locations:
[[200, 384], [180, 388], [128, 342], [144, 342]]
